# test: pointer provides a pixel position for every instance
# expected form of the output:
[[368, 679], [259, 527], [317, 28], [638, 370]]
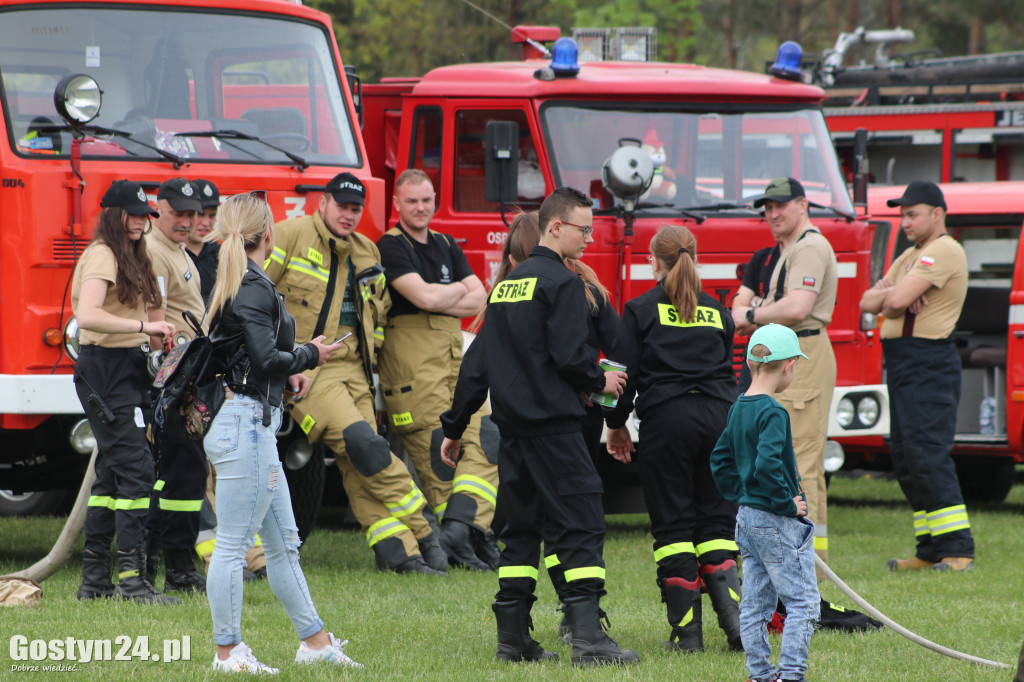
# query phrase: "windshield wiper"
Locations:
[[720, 206], [300, 163], [671, 207], [111, 132], [850, 217]]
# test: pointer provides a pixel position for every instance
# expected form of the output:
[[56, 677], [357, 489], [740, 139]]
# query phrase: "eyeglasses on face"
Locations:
[[587, 229]]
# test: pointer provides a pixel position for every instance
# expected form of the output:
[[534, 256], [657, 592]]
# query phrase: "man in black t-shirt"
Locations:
[[432, 288]]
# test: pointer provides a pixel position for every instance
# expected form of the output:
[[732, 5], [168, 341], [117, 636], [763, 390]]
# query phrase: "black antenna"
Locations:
[[529, 41]]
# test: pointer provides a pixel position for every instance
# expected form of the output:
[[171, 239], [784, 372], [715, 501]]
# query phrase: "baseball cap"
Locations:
[[347, 189], [128, 195], [920, 192], [781, 190], [181, 194], [209, 195], [780, 341]]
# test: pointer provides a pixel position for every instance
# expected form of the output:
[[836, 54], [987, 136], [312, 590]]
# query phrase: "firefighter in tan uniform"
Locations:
[[801, 295], [333, 284], [432, 287]]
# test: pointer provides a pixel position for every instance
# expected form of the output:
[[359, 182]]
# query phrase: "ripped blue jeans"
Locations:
[[252, 497]]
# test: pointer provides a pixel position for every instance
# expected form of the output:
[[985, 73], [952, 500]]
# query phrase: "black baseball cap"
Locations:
[[209, 195], [181, 194], [780, 190], [920, 192], [347, 189], [128, 195]]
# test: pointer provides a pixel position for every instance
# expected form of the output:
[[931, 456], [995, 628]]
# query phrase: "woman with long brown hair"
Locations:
[[111, 293], [676, 342]]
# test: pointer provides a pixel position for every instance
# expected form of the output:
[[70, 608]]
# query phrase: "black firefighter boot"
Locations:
[[132, 583], [683, 602], [181, 574], [457, 543], [389, 555], [514, 641], [151, 542], [590, 644], [95, 576], [723, 585], [486, 547], [432, 552]]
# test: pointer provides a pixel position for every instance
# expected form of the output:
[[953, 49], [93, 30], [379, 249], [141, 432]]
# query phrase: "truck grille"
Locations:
[[68, 251]]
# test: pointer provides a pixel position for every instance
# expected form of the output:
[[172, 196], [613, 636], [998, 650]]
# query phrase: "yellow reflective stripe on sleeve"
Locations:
[[475, 485], [712, 545], [513, 290], [128, 505], [378, 333], [402, 419], [552, 560], [408, 504], [101, 501], [307, 424], [384, 528], [278, 255], [947, 520], [303, 266], [204, 548], [180, 505], [702, 317], [439, 510], [920, 523], [584, 573], [530, 572], [675, 548], [159, 485]]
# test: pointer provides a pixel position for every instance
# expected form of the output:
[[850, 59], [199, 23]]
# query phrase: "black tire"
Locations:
[[39, 503], [306, 486], [984, 478]]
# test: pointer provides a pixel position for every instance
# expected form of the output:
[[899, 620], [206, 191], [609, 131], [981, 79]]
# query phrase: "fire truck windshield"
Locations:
[[167, 71], [703, 158]]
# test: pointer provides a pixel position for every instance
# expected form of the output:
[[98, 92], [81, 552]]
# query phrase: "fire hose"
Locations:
[[893, 625]]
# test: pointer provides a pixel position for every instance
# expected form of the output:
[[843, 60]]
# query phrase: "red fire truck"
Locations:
[[248, 94], [986, 219], [497, 135], [942, 119]]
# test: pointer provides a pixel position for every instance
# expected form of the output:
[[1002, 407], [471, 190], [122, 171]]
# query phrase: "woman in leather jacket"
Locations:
[[251, 326]]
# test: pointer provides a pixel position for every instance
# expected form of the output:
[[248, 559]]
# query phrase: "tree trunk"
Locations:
[[977, 43], [792, 11]]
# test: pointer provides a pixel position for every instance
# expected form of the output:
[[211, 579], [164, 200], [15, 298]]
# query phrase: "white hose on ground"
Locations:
[[68, 539], [890, 623]]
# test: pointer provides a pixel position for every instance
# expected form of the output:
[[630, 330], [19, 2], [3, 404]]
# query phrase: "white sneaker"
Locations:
[[241, 660], [331, 653]]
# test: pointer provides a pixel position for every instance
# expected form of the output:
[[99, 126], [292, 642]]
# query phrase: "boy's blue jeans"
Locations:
[[778, 563]]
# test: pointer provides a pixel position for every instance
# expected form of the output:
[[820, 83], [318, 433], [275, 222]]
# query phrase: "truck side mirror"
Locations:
[[355, 86], [501, 167]]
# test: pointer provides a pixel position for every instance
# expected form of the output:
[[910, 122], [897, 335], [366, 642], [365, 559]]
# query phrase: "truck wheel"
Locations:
[[985, 479], [39, 503], [306, 486]]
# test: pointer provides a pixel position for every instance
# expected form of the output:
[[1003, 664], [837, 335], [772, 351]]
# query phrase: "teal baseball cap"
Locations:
[[780, 341]]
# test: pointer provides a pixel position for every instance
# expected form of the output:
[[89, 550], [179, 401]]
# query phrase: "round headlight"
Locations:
[[834, 456], [844, 413], [299, 453], [867, 411], [81, 437], [72, 342], [77, 98]]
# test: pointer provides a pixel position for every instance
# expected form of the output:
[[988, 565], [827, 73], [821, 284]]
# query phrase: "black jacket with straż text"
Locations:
[[532, 353], [666, 356]]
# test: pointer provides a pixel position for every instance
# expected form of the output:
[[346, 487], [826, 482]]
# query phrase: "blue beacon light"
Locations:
[[787, 61], [565, 62]]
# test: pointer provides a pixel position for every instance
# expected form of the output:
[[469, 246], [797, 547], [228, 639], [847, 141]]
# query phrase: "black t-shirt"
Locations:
[[758, 274], [206, 264], [439, 261]]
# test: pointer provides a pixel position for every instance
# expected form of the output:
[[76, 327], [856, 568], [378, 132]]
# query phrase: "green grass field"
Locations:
[[417, 628]]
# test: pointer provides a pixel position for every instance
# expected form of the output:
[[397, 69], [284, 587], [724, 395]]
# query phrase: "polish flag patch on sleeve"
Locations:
[[927, 260], [809, 281]]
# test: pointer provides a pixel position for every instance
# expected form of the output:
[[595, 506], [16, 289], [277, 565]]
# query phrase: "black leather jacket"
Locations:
[[255, 335]]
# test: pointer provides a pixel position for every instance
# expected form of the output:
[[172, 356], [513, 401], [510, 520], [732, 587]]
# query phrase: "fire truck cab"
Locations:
[[533, 125], [248, 95]]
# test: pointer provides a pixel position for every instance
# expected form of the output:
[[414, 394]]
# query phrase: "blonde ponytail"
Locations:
[[242, 222]]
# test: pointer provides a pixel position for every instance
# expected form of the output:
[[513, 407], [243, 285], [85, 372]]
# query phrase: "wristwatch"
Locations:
[[750, 316]]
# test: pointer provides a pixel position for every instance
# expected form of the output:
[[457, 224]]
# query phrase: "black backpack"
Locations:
[[189, 384]]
